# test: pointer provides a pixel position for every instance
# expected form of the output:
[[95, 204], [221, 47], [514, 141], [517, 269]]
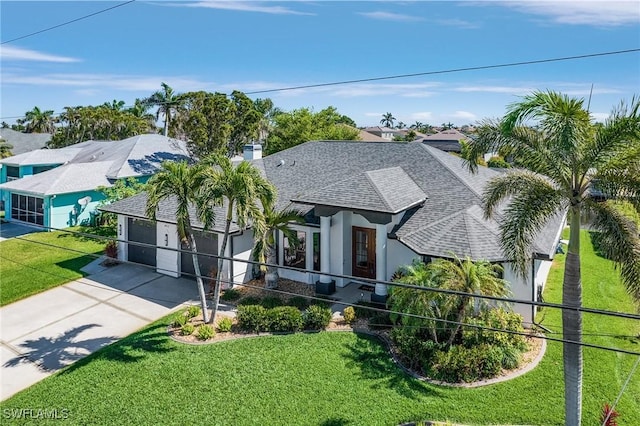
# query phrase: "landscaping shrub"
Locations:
[[205, 332], [252, 318], [179, 320], [299, 302], [193, 311], [187, 329], [511, 357], [461, 364], [499, 319], [349, 314], [111, 249], [224, 325], [284, 318], [230, 295], [498, 162], [380, 320], [417, 350], [362, 311], [316, 317], [271, 302], [250, 300]]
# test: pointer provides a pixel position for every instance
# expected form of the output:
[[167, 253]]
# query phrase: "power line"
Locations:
[[426, 73], [68, 22], [348, 277], [449, 71]]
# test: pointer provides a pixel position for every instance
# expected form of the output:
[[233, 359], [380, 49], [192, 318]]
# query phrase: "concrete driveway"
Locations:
[[12, 229], [48, 331]]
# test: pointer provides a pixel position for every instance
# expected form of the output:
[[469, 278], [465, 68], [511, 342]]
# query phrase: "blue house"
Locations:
[[56, 188]]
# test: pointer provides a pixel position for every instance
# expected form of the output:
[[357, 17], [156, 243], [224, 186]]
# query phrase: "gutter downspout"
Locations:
[[533, 296]]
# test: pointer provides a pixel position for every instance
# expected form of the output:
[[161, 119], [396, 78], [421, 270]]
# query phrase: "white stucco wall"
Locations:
[[122, 234], [398, 255], [521, 288], [242, 250], [167, 261]]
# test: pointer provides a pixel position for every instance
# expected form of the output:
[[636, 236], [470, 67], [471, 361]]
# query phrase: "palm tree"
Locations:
[[564, 159], [265, 248], [242, 188], [181, 181], [5, 149], [466, 276], [168, 103], [387, 120], [38, 121]]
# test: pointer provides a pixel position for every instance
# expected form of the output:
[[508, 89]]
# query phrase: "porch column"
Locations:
[[325, 285], [380, 294]]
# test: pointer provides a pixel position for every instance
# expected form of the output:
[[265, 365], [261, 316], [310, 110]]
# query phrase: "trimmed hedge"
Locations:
[[316, 317], [284, 318], [256, 318]]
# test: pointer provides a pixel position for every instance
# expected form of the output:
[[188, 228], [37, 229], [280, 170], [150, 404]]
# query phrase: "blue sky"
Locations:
[[222, 46]]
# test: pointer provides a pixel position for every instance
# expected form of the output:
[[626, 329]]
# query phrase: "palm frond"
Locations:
[[620, 242], [510, 184]]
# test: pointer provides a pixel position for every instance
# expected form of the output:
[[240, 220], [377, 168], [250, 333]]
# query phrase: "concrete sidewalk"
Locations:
[[48, 331]]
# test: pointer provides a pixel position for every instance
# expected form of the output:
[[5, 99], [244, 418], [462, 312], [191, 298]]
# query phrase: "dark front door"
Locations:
[[364, 252]]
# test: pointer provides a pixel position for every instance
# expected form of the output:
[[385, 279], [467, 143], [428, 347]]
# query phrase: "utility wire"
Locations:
[[633, 369], [448, 71], [68, 22], [444, 71], [348, 277]]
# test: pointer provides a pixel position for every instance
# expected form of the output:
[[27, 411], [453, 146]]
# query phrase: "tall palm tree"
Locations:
[[168, 103], [242, 189], [181, 181], [464, 275], [39, 121], [265, 248], [564, 159], [387, 120]]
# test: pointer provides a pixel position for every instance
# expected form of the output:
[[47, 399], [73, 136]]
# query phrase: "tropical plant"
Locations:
[[182, 182], [5, 149], [241, 189], [566, 157], [168, 103], [387, 120], [39, 121], [121, 188], [265, 246]]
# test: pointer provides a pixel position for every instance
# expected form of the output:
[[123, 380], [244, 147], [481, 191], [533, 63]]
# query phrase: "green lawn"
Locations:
[[27, 267], [322, 379]]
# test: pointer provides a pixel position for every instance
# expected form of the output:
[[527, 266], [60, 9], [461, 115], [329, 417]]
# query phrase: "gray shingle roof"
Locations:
[[64, 179], [135, 206], [24, 142], [389, 177], [388, 190], [137, 156]]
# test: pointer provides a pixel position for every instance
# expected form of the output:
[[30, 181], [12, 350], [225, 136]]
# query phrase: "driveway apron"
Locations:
[[48, 331]]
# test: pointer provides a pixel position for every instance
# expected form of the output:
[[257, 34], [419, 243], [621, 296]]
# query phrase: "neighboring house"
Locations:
[[370, 137], [446, 140], [24, 142], [385, 133], [369, 208], [56, 188]]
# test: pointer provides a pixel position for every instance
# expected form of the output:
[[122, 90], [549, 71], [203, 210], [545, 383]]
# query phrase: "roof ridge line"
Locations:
[[375, 188], [451, 170], [437, 222]]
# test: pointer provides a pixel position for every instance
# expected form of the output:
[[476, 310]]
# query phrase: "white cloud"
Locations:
[[600, 116], [513, 90], [464, 115], [12, 53], [585, 12], [458, 23], [389, 16], [424, 115], [241, 6]]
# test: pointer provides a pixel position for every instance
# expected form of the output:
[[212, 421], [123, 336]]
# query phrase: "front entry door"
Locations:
[[364, 252]]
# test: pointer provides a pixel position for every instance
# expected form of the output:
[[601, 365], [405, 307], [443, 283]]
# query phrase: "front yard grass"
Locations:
[[330, 378], [31, 263]]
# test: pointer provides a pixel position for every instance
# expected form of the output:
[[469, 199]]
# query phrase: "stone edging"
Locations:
[[394, 356]]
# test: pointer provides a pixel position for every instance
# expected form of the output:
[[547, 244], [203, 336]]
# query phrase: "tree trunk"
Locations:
[[271, 277], [196, 267], [166, 123], [572, 325], [459, 318], [216, 291]]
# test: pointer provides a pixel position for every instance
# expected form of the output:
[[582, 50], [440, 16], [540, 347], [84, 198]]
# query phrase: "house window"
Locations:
[[13, 173], [316, 251], [296, 257], [27, 209]]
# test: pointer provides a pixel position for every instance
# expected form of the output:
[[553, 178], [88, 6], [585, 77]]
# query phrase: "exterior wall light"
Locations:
[[119, 229], [166, 240]]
